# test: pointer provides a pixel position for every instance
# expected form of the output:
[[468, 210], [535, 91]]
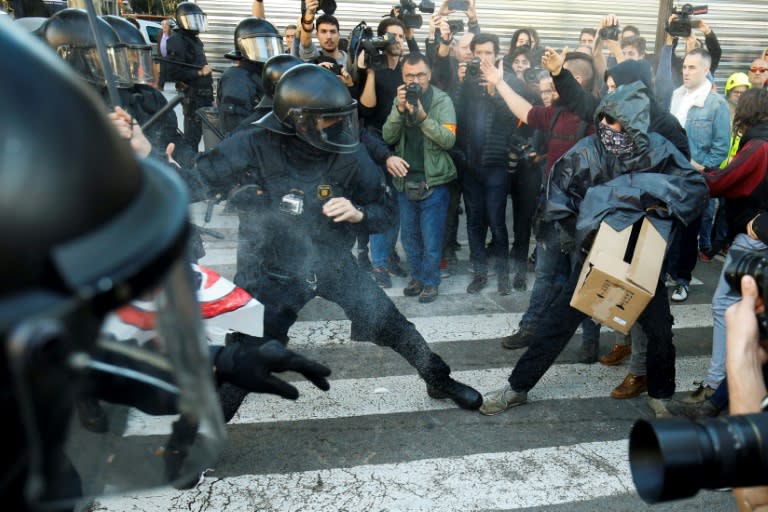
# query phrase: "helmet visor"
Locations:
[[146, 411], [195, 21], [260, 48], [337, 131], [140, 64], [86, 60]]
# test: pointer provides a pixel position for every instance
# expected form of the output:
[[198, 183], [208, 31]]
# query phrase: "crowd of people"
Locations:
[[333, 150]]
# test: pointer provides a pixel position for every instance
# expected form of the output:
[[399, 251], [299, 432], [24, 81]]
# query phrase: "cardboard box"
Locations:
[[620, 275]]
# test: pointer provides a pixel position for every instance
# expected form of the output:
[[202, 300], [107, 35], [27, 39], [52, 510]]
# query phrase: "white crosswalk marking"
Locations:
[[506, 480]]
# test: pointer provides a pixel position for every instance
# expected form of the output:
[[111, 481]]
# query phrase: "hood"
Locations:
[[759, 131], [631, 106], [630, 71]]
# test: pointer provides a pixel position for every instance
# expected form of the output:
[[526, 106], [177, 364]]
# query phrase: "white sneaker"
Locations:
[[680, 294]]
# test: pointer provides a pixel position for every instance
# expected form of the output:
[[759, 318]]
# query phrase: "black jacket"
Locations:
[[238, 93], [660, 175], [269, 167], [185, 46]]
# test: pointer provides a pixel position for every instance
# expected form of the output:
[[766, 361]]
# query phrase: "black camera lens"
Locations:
[[743, 264], [674, 458]]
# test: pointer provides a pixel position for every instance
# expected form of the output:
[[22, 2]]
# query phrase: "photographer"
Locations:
[[485, 127], [746, 357], [742, 184], [669, 74], [379, 91], [328, 36]]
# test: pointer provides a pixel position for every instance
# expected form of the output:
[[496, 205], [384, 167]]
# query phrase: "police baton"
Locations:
[[184, 64], [160, 113]]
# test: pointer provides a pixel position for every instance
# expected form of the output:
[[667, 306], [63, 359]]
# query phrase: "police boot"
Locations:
[[464, 396]]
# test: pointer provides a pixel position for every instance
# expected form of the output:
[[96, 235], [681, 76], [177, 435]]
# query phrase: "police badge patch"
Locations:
[[324, 192]]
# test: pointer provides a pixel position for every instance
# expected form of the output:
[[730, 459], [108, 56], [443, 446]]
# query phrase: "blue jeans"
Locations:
[[422, 227], [724, 297], [383, 244]]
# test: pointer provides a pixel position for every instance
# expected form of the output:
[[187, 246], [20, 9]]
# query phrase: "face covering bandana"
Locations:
[[615, 142]]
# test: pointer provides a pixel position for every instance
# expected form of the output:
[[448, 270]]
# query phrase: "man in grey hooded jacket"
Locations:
[[618, 175]]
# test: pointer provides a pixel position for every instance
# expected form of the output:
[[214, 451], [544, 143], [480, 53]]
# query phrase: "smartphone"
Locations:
[[458, 5]]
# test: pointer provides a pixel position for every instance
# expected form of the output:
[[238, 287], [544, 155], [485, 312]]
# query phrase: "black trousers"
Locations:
[[560, 321], [363, 301]]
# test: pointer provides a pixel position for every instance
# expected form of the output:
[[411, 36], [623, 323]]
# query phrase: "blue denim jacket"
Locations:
[[708, 126]]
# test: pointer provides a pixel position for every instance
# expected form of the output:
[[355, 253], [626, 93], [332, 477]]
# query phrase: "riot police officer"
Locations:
[[86, 227], [270, 75], [307, 188], [142, 100], [240, 88], [188, 67]]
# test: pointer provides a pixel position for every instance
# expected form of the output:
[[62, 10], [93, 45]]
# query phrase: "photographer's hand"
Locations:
[[401, 102], [553, 61], [471, 13], [746, 386], [312, 6]]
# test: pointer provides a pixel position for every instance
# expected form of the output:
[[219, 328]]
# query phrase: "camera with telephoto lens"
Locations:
[[611, 33], [408, 12], [673, 458], [681, 27], [412, 94], [473, 67], [375, 56], [327, 6]]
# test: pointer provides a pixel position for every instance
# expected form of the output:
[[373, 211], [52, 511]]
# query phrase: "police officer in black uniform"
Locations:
[[270, 75], [142, 100], [194, 78], [240, 88], [308, 188], [87, 227]]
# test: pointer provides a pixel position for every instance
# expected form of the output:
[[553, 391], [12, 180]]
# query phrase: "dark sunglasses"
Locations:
[[758, 70], [609, 119]]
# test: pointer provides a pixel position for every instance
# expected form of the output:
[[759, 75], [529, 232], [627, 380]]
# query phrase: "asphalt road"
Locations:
[[377, 442]]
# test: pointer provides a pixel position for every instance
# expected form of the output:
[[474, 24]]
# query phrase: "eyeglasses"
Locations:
[[758, 70], [609, 119], [418, 76]]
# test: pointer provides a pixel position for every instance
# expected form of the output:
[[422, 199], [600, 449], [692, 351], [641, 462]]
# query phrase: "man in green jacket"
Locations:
[[422, 126]]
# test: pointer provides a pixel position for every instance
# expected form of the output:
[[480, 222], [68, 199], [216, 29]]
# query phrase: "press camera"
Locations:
[[681, 26], [674, 458]]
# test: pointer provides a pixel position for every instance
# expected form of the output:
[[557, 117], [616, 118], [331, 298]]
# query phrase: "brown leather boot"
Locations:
[[617, 355], [632, 386]]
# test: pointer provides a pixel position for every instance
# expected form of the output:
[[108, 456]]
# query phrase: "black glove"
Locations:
[[249, 364]]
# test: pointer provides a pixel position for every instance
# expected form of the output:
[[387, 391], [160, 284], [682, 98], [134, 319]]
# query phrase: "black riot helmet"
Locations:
[[312, 103], [86, 230], [138, 51], [69, 33], [256, 40], [189, 16], [273, 70]]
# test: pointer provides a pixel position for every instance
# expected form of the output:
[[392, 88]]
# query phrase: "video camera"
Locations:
[[673, 458], [681, 27], [327, 6], [374, 47], [408, 12]]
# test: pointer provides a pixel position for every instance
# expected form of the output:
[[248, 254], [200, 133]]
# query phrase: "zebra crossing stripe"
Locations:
[[465, 327], [407, 394], [506, 480]]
